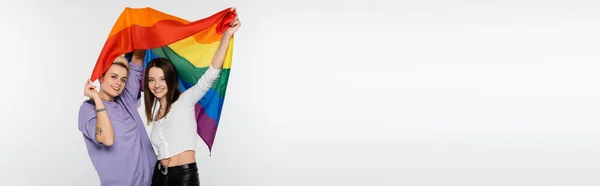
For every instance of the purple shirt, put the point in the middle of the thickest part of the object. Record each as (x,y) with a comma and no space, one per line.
(131,158)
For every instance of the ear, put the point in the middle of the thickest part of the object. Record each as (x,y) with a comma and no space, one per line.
(101,78)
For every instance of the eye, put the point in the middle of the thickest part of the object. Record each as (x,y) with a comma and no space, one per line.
(152,80)
(114,77)
(123,80)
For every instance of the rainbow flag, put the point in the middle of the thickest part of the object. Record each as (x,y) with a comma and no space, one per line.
(189,45)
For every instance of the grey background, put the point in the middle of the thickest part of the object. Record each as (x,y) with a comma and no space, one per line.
(423,93)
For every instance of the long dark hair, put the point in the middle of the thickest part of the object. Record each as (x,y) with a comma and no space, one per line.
(172,87)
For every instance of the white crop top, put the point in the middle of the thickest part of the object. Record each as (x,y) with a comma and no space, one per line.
(176,132)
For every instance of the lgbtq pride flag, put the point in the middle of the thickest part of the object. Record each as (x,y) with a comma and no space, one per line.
(190,46)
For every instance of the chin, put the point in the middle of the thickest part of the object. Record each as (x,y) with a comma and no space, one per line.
(114,93)
(160,96)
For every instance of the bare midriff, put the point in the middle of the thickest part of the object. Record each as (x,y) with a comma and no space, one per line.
(186,157)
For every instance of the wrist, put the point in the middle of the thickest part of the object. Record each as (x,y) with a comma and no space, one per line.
(97,99)
(100,110)
(137,61)
(226,37)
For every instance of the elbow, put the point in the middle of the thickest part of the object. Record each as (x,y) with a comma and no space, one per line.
(107,141)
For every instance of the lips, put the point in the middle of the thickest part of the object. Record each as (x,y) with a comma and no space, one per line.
(158,91)
(116,88)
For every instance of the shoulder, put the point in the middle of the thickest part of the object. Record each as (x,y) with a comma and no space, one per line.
(88,103)
(88,107)
(176,104)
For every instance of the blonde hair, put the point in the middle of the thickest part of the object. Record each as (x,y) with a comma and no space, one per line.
(121,61)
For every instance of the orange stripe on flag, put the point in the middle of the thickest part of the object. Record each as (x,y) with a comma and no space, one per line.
(145,17)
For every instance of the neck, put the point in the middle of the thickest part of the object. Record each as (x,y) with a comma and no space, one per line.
(163,106)
(106,97)
(163,102)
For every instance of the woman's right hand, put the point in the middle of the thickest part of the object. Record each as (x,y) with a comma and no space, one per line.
(90,91)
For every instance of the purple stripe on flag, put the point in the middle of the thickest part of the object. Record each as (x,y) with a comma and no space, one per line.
(207,126)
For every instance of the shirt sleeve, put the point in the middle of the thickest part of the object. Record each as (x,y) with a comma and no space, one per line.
(192,95)
(87,122)
(133,86)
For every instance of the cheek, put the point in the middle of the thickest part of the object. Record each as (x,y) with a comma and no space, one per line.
(164,84)
(151,84)
(108,81)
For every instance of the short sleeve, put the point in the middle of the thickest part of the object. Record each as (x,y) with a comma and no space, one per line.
(87,121)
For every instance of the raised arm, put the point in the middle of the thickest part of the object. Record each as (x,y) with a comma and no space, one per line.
(219,57)
(196,92)
(134,78)
(93,121)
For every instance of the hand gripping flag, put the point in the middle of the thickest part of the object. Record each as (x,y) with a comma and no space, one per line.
(190,46)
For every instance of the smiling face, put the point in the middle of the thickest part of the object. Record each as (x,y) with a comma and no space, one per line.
(157,82)
(113,81)
(160,83)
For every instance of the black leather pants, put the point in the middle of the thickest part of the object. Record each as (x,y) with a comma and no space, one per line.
(182,175)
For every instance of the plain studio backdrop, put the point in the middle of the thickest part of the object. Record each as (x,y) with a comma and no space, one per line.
(419,93)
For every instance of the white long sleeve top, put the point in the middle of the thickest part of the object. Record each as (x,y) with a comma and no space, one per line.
(176,132)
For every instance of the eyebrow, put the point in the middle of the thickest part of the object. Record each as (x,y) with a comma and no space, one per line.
(117,74)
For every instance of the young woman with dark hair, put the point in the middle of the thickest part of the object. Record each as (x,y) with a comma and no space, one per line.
(174,133)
